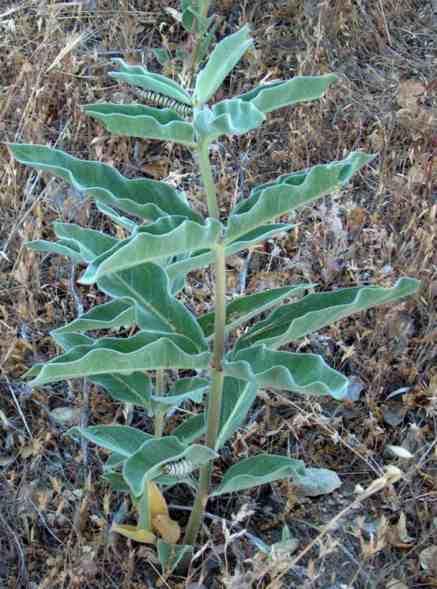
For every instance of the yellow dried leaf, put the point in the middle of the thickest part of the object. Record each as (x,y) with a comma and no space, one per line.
(167,528)
(134,533)
(157,502)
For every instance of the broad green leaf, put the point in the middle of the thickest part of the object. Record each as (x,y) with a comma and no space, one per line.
(62,248)
(205,258)
(191,429)
(229,117)
(307,374)
(157,308)
(168,236)
(72,340)
(117,482)
(119,356)
(148,462)
(136,75)
(258,470)
(89,242)
(171,556)
(122,439)
(148,199)
(112,315)
(242,309)
(238,398)
(269,201)
(115,120)
(316,481)
(192,389)
(119,220)
(222,60)
(296,320)
(270,97)
(135,388)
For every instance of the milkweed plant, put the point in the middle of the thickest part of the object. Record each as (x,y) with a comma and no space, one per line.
(175,356)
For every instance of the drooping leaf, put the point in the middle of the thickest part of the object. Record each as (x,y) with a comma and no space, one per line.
(307,374)
(269,201)
(119,356)
(238,398)
(56,247)
(242,309)
(269,97)
(89,242)
(192,389)
(191,429)
(137,75)
(119,220)
(205,258)
(157,309)
(135,388)
(134,533)
(122,439)
(168,236)
(258,470)
(125,120)
(229,117)
(222,60)
(148,462)
(296,320)
(145,198)
(112,315)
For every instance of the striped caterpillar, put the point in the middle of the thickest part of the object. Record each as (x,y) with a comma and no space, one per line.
(156,99)
(179,469)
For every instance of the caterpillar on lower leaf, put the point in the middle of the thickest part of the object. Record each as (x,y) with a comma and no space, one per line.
(179,469)
(156,99)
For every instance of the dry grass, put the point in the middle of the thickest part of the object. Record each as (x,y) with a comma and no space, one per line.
(54,512)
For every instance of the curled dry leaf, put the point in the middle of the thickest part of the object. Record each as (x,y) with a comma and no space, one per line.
(168,529)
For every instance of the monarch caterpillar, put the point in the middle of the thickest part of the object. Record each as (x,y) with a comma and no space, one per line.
(156,99)
(179,469)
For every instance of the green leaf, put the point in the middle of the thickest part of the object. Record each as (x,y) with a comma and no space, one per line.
(192,389)
(157,309)
(202,259)
(147,463)
(171,556)
(136,75)
(191,429)
(71,340)
(168,236)
(89,242)
(269,201)
(258,470)
(116,481)
(120,356)
(122,439)
(112,315)
(222,60)
(270,97)
(62,248)
(119,220)
(296,320)
(124,120)
(135,388)
(307,374)
(242,309)
(148,199)
(229,117)
(238,398)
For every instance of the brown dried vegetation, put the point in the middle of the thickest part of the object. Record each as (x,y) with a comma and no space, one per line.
(54,512)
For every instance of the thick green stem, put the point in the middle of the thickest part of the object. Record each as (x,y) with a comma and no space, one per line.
(143,506)
(216,371)
(160,412)
(208,180)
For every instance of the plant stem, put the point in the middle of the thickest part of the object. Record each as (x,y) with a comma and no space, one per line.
(160,413)
(144,522)
(216,370)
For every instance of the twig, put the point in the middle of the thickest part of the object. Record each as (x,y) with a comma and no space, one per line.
(18,406)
